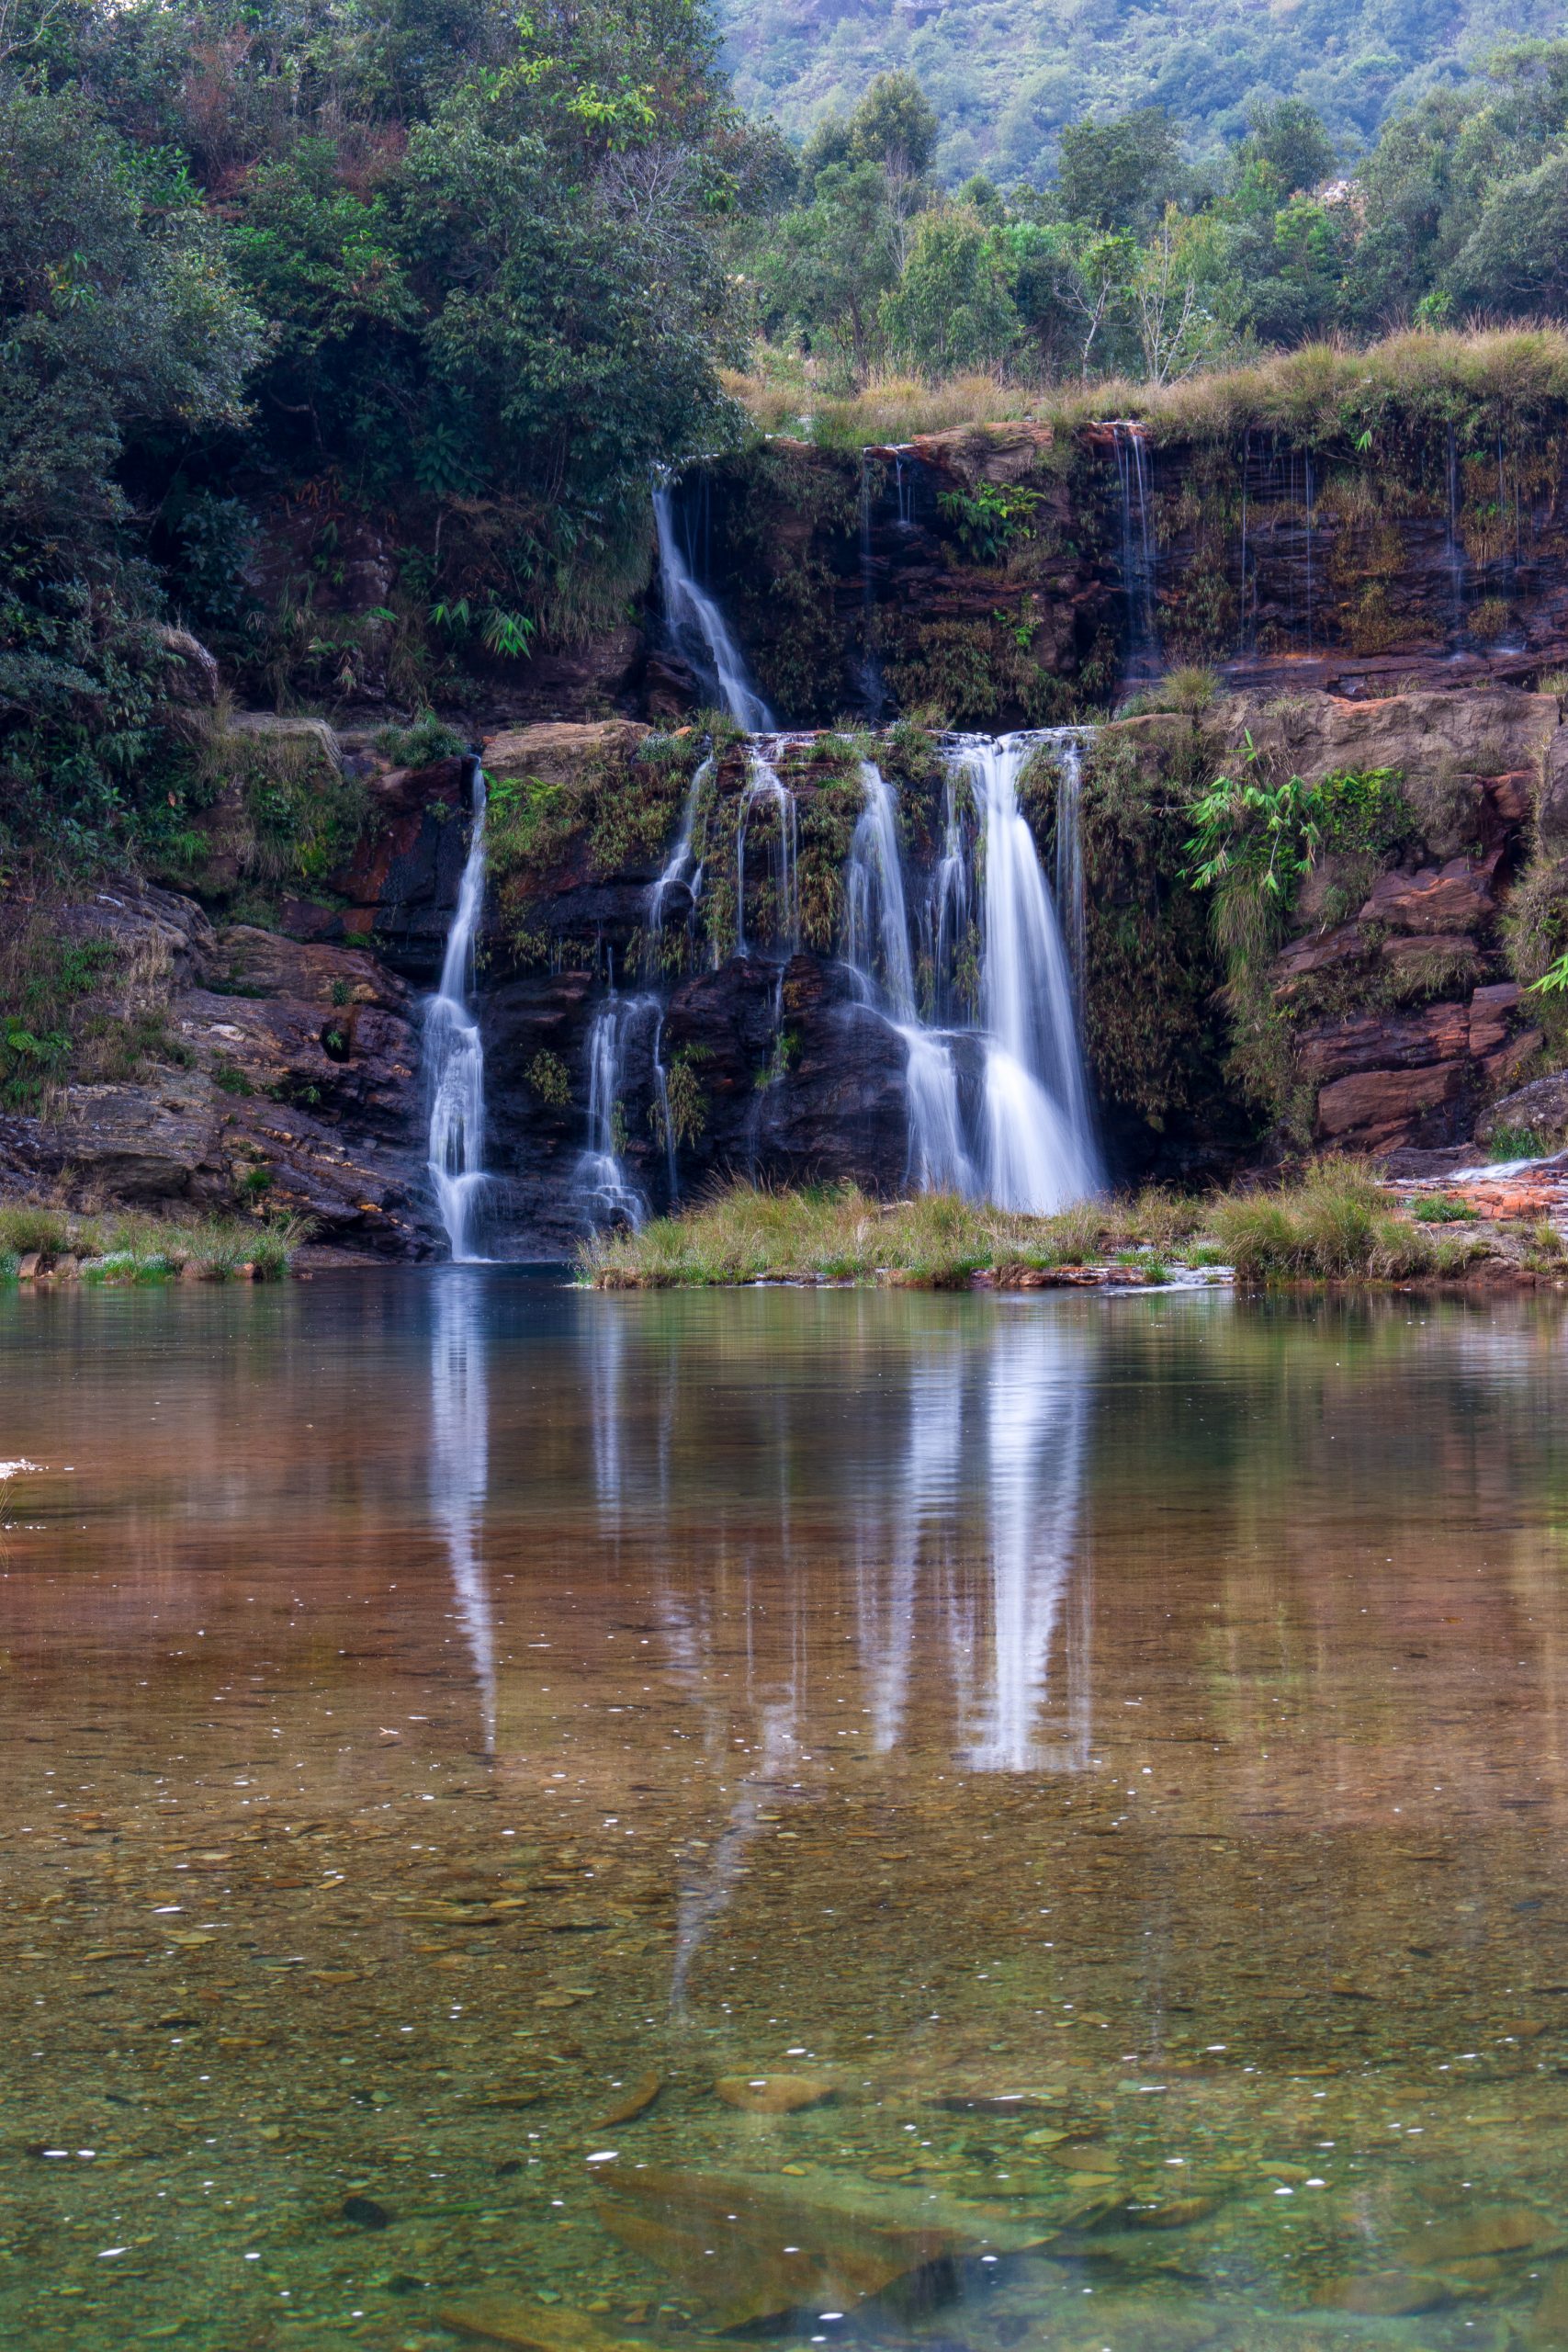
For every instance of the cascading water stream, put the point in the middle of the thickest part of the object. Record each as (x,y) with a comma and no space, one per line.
(454,1053)
(879,951)
(1137,546)
(699,630)
(1040,1151)
(609,1194)
(765,785)
(680,858)
(1071,912)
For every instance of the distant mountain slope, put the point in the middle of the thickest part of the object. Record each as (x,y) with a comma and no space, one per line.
(1006,74)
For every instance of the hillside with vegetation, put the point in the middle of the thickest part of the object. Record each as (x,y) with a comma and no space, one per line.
(1010,76)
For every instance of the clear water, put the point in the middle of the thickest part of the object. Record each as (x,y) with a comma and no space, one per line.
(1115,1745)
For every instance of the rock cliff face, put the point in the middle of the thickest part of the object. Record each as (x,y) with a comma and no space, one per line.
(286,1071)
(265,997)
(1010,575)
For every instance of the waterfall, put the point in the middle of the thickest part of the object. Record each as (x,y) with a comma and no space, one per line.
(680,856)
(699,630)
(1137,544)
(1035,1148)
(764,783)
(879,951)
(872,686)
(609,1195)
(1040,1148)
(1455,547)
(454,1055)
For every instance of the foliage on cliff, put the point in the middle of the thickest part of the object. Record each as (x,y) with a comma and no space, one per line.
(347,339)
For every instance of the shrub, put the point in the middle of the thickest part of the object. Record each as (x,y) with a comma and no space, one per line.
(1517,1142)
(424,740)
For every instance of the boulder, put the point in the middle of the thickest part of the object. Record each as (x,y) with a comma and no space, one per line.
(1491,731)
(1542,1104)
(192,675)
(1378,1107)
(555,751)
(1451,897)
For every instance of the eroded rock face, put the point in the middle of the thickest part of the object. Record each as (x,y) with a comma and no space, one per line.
(295,1086)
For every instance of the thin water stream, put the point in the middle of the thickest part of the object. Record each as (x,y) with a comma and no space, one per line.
(1087,1776)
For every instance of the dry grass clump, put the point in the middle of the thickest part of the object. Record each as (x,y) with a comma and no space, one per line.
(136,1247)
(1335,1223)
(889,408)
(1320,392)
(746,1233)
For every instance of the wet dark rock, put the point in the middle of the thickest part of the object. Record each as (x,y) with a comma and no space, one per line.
(298,1065)
(366,2213)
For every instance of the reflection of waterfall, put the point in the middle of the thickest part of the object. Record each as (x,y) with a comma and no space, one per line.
(608,1191)
(703,1901)
(1035,1414)
(460,1452)
(977,1538)
(700,633)
(454,1055)
(914,1542)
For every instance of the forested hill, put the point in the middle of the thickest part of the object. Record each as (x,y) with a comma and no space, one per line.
(1004,76)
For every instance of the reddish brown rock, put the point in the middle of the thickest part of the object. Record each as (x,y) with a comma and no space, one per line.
(1384,1041)
(1320,952)
(1379,1107)
(1490,1021)
(1438,899)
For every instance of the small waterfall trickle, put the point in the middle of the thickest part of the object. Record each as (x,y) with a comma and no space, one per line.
(1040,1147)
(454,1053)
(765,785)
(699,630)
(1137,546)
(872,692)
(609,1195)
(680,857)
(1071,909)
(1455,549)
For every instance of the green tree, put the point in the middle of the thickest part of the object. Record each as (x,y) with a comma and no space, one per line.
(1120,173)
(827,265)
(952,308)
(117,318)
